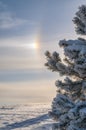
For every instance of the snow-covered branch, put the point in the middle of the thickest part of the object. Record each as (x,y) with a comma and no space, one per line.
(80,20)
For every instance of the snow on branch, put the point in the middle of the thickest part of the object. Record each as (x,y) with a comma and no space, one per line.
(80,20)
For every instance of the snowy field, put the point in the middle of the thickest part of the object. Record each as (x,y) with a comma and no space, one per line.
(25,117)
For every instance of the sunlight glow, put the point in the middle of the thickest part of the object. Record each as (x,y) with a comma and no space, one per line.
(32,46)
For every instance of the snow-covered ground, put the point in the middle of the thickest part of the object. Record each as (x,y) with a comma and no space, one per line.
(25,117)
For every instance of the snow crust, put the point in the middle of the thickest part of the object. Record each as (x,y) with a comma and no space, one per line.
(25,117)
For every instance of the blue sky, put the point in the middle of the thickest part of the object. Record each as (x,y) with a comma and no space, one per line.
(27,29)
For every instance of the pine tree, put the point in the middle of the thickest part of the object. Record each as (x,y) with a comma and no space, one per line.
(69,105)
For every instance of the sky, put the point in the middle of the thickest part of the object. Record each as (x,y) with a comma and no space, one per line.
(27,29)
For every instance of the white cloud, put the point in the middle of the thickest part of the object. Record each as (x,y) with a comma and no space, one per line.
(7,21)
(10,20)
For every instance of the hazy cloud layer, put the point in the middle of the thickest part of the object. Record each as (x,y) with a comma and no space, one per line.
(7,21)
(26,75)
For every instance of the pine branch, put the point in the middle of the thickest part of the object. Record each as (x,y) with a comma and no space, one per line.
(80,20)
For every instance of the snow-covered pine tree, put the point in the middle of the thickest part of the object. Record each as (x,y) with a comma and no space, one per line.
(69,105)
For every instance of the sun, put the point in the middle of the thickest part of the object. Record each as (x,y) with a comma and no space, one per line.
(32,46)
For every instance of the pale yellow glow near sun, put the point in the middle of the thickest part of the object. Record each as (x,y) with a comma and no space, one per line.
(32,46)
